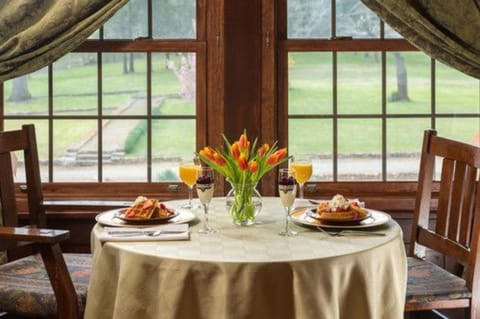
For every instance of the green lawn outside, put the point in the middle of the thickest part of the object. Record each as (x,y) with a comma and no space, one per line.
(310,92)
(359,92)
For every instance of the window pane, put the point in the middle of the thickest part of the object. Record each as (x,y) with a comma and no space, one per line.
(124,83)
(354,19)
(310,83)
(41,132)
(171,144)
(404,145)
(27,95)
(174,19)
(75,150)
(456,92)
(391,33)
(173,83)
(359,83)
(408,83)
(129,22)
(75,85)
(462,129)
(309,18)
(313,138)
(359,149)
(95,35)
(124,150)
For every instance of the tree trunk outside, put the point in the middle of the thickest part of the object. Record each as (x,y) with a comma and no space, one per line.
(20,90)
(132,63)
(402,86)
(125,63)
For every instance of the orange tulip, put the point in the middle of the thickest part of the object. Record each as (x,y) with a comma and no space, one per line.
(235,150)
(243,142)
(281,153)
(252,166)
(272,159)
(219,159)
(208,152)
(263,149)
(242,162)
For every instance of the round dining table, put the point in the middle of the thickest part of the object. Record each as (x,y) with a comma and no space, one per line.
(250,272)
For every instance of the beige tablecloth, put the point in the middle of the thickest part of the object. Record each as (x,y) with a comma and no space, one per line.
(250,272)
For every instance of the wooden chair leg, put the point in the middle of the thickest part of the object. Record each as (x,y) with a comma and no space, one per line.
(67,303)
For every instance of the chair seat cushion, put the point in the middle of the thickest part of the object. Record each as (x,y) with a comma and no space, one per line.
(26,289)
(428,282)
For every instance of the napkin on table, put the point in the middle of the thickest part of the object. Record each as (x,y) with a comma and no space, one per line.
(172,232)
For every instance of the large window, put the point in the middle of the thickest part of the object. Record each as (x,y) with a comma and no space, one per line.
(130,103)
(359,97)
(124,106)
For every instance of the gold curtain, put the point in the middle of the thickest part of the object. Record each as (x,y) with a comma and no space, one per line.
(449,31)
(34,33)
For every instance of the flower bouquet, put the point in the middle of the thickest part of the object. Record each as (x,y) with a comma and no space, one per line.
(243,164)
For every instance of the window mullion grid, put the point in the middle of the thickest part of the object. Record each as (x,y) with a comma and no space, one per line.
(100,116)
(150,19)
(335,115)
(334,93)
(2,107)
(384,112)
(433,122)
(149,116)
(149,91)
(50,123)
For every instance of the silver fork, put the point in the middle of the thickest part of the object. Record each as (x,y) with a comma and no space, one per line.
(343,232)
(152,233)
(326,232)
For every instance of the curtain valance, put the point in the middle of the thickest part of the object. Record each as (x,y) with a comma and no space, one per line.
(34,33)
(449,31)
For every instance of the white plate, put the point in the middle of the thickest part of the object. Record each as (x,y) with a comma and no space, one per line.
(376,218)
(109,218)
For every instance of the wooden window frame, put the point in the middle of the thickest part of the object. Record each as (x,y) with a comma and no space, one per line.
(149,46)
(335,45)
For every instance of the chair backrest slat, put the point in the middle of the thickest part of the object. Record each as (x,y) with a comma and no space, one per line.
(447,148)
(466,215)
(444,197)
(20,140)
(440,243)
(458,191)
(457,231)
(7,193)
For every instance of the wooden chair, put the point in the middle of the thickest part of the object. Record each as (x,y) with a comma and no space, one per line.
(456,233)
(49,283)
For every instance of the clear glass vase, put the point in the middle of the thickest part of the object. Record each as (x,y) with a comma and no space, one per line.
(244,202)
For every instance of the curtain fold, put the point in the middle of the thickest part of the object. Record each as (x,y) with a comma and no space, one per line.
(448,31)
(34,33)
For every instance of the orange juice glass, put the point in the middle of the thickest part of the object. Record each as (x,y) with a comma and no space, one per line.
(303,170)
(188,174)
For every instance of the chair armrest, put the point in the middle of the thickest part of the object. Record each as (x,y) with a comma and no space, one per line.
(36,235)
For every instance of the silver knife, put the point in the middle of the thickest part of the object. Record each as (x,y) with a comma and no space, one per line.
(142,232)
(360,232)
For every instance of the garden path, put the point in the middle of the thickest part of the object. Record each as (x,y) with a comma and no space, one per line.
(114,134)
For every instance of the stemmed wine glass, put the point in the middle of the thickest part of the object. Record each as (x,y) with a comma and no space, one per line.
(205,187)
(303,168)
(287,188)
(188,174)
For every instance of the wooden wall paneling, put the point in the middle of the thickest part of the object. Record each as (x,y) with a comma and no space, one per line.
(282,73)
(268,109)
(215,36)
(243,47)
(201,88)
